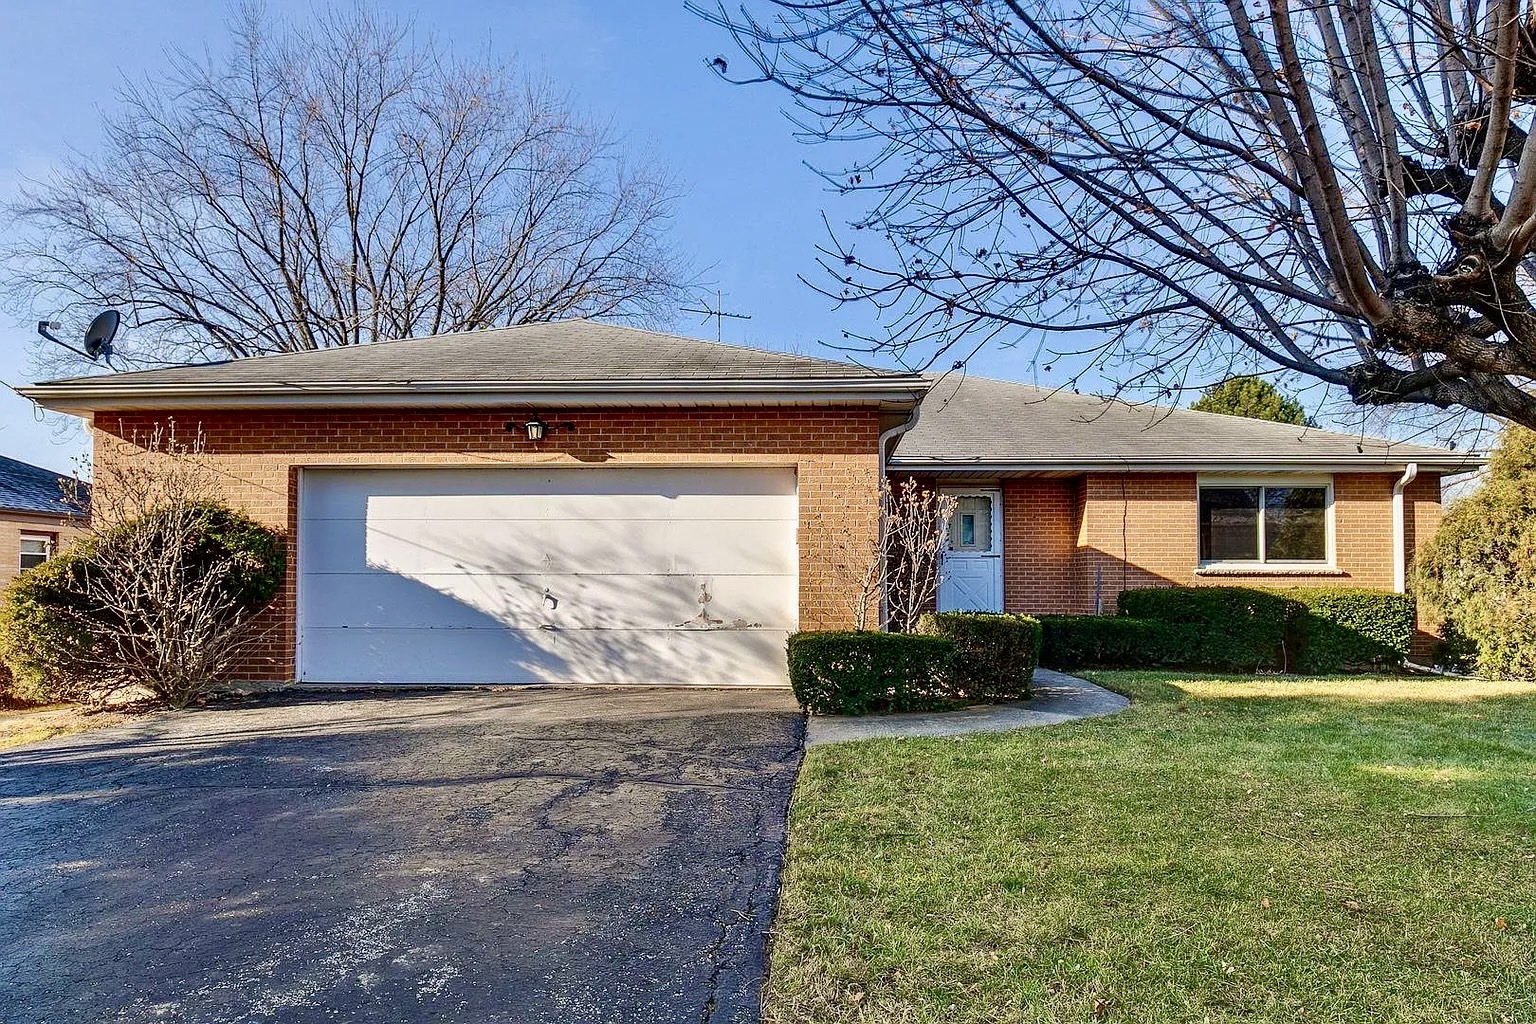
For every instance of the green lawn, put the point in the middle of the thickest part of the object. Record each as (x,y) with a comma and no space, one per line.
(1229,849)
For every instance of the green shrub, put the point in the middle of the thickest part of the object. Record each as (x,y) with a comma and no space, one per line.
(44,635)
(854,673)
(1237,628)
(995,655)
(1344,628)
(162,601)
(1116,641)
(1479,569)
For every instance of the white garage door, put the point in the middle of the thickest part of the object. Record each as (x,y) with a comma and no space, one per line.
(675,576)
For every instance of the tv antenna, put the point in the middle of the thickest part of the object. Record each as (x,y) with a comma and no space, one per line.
(718,313)
(97,343)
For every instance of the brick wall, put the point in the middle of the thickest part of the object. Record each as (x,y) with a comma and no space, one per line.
(14,524)
(258,455)
(1068,541)
(1040,527)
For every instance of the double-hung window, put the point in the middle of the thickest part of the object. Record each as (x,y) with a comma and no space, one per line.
(1279,523)
(36,548)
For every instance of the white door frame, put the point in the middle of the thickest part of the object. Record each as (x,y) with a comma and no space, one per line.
(993,556)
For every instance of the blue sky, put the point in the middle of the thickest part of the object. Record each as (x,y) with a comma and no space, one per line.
(751,211)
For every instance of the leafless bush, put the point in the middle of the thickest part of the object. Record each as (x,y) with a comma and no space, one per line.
(895,573)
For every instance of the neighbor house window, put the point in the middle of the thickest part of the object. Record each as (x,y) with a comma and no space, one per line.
(1282,523)
(36,548)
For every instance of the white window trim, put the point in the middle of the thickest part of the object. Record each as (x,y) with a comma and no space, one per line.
(1262,564)
(50,547)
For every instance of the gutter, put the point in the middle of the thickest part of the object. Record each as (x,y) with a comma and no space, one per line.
(1458,463)
(1400,528)
(80,398)
(887,436)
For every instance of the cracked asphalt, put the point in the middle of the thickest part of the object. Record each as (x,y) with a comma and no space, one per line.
(541,855)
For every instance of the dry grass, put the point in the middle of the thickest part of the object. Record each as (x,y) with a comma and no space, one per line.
(18,728)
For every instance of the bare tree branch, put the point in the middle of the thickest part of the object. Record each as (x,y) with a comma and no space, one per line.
(338,184)
(1346,190)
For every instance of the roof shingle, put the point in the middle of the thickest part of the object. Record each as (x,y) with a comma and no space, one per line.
(28,488)
(977,421)
(562,351)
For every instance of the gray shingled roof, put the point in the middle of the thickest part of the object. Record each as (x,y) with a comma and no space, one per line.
(976,421)
(28,488)
(563,351)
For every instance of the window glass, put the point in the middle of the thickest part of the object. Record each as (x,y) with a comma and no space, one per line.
(1229,524)
(1295,524)
(970,527)
(35,549)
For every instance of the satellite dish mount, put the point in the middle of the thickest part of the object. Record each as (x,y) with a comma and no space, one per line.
(97,343)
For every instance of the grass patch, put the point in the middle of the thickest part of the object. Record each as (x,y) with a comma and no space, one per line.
(1229,849)
(19,728)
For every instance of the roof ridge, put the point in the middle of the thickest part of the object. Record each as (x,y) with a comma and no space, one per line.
(794,358)
(41,469)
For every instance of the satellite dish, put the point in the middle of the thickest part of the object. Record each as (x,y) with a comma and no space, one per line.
(98,336)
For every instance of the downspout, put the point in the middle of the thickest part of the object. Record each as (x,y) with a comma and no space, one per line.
(886,437)
(1400,528)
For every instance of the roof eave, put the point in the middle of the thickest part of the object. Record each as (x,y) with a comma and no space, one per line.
(896,391)
(1454,462)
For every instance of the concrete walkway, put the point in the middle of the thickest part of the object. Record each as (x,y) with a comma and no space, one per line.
(1057,698)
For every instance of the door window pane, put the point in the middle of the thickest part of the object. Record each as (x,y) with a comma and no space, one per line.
(1295,524)
(970,527)
(1229,524)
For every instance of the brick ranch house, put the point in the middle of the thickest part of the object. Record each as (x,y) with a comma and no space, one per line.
(36,517)
(580,502)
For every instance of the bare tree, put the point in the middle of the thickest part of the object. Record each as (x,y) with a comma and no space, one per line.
(1346,189)
(895,572)
(340,183)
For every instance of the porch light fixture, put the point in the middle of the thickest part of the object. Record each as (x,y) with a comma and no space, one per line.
(536,428)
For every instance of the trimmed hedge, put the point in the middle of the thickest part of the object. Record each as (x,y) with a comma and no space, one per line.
(1341,628)
(1115,641)
(1311,630)
(1240,628)
(995,655)
(854,673)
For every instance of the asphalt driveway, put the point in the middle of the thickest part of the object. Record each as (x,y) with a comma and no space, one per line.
(553,855)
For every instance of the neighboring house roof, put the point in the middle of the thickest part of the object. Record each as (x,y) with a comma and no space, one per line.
(973,423)
(567,356)
(28,488)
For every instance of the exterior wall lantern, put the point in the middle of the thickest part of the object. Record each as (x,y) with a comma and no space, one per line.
(536,429)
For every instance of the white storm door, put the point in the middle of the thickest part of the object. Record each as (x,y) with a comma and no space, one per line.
(972,572)
(668,576)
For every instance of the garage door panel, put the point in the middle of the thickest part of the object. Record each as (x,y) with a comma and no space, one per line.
(518,602)
(393,562)
(418,546)
(495,494)
(437,655)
